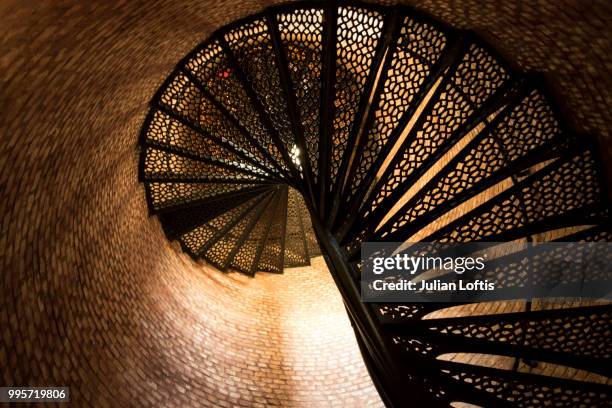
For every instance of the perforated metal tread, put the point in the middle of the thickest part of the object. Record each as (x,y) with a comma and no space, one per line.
(382,124)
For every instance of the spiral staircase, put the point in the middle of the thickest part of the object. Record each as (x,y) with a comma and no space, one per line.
(313,127)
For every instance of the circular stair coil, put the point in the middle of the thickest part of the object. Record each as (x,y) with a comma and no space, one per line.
(383,124)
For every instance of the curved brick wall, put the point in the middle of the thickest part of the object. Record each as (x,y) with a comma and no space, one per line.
(91,293)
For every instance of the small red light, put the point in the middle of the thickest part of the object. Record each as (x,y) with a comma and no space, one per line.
(225,74)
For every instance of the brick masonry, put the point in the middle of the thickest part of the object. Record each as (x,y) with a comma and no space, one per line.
(91,293)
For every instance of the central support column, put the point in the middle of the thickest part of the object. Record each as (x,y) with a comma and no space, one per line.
(391,383)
